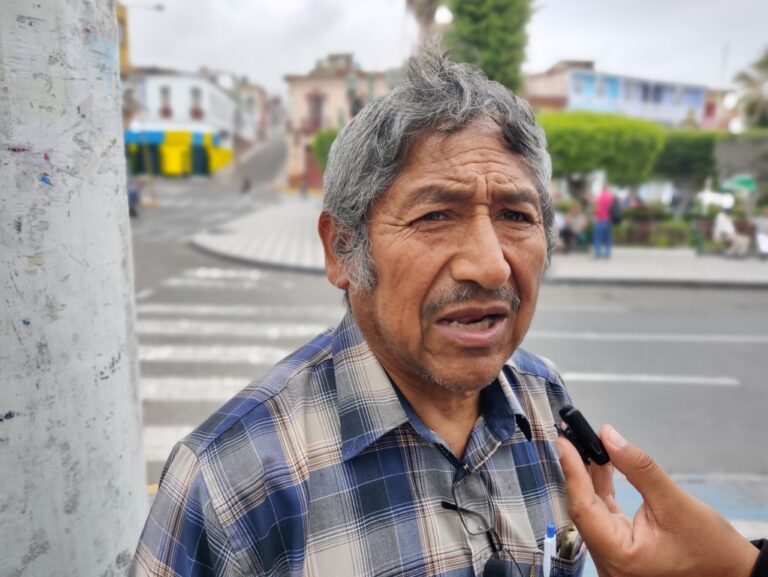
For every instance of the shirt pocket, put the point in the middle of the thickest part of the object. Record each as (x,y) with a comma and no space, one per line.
(569,567)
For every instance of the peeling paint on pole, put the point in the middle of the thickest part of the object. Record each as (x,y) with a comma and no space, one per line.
(72,492)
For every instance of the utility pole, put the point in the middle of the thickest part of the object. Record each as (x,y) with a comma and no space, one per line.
(72,485)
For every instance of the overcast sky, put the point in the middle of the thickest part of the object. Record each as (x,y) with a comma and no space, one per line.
(696,41)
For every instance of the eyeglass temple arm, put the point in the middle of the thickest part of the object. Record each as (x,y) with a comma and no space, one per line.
(493,537)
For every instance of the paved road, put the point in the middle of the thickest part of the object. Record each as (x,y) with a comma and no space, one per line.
(679,371)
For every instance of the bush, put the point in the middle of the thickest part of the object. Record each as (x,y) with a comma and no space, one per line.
(321,145)
(671,233)
(662,234)
(652,211)
(688,156)
(580,142)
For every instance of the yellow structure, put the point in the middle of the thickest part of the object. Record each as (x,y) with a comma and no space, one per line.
(122,28)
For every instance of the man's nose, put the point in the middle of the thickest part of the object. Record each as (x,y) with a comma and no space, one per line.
(480,257)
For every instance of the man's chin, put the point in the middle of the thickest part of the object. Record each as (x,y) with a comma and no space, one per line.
(464,382)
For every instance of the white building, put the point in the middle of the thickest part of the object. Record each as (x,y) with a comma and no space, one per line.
(177,112)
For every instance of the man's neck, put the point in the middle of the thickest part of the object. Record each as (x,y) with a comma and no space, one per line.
(450,415)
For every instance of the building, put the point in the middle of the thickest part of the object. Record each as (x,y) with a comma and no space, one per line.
(328,97)
(577,85)
(181,123)
(720,110)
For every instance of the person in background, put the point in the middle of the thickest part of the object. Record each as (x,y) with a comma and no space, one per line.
(560,228)
(672,535)
(245,185)
(724,230)
(761,234)
(602,235)
(574,226)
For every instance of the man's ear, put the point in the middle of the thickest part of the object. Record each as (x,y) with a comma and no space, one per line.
(334,270)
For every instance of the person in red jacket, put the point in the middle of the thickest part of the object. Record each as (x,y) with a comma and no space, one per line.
(601,230)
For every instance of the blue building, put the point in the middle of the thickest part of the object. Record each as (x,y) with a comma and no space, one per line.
(576,85)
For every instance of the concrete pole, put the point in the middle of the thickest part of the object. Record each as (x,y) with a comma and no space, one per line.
(72,485)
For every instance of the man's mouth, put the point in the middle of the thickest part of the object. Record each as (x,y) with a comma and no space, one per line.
(473,324)
(475,327)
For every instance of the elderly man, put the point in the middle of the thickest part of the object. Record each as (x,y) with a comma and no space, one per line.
(415,438)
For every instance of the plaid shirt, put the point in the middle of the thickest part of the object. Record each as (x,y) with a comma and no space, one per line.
(323,469)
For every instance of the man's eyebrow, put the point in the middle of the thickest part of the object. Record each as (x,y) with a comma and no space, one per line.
(438,194)
(528,195)
(431,194)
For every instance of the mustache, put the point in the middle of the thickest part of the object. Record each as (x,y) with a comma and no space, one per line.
(471,292)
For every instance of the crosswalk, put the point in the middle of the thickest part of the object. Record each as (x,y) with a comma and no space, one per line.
(174,219)
(204,334)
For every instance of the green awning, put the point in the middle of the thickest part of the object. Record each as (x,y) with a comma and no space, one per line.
(740,182)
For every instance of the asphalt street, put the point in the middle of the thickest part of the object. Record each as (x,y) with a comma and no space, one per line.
(680,372)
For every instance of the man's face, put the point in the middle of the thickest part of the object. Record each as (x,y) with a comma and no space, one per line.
(459,249)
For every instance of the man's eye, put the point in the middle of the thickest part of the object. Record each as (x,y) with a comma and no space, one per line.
(432,216)
(517,216)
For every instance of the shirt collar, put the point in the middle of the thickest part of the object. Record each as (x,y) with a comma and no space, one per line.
(369,405)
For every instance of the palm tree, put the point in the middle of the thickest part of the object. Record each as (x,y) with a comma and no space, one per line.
(424,11)
(754,101)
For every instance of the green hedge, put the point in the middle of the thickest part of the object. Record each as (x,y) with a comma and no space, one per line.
(321,145)
(580,142)
(661,234)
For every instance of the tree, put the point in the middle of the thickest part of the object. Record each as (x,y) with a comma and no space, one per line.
(581,142)
(321,145)
(754,100)
(491,34)
(687,159)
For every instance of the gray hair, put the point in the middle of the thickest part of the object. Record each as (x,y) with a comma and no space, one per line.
(437,95)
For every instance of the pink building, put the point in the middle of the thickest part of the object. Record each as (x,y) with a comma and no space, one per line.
(329,96)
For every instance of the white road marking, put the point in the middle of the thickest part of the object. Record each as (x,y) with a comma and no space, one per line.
(241,311)
(204,329)
(217,389)
(650,337)
(627,379)
(214,354)
(229,273)
(226,284)
(581,308)
(146,293)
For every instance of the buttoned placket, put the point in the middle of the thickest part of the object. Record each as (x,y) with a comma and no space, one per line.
(479,545)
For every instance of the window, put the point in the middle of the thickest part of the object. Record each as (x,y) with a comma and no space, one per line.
(315,103)
(645,92)
(578,85)
(600,88)
(316,108)
(165,102)
(196,109)
(629,90)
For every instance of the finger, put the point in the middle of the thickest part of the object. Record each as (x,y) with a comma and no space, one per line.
(602,480)
(656,487)
(584,506)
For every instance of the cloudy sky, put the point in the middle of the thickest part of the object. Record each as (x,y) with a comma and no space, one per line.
(697,41)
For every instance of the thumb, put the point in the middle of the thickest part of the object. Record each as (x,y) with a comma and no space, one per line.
(654,484)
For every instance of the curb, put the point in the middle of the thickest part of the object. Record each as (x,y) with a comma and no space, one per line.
(560,280)
(255,262)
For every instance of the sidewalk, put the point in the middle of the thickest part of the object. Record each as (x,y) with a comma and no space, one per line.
(284,235)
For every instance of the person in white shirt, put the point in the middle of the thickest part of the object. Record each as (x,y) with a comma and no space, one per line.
(725,231)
